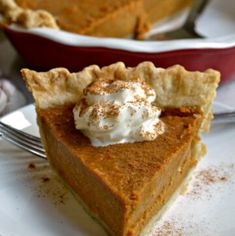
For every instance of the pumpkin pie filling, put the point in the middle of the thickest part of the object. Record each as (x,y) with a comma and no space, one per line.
(120,183)
(124,185)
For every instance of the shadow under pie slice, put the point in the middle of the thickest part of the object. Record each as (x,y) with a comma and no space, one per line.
(124,185)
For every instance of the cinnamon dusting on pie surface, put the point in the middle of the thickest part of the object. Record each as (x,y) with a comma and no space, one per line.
(207,178)
(202,187)
(106,110)
(175,227)
(31,166)
(51,190)
(169,227)
(110,86)
(116,111)
(46,185)
(45,179)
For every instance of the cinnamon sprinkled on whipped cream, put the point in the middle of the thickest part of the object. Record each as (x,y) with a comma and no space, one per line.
(117,111)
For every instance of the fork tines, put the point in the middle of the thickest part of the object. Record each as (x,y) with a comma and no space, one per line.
(22,139)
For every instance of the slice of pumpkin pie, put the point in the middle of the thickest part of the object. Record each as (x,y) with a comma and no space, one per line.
(123,138)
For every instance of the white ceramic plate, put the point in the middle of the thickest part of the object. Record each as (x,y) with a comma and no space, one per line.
(34,202)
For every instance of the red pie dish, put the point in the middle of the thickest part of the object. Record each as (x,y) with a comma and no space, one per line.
(44,48)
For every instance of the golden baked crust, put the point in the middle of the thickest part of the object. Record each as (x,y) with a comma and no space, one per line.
(26,17)
(175,87)
(58,86)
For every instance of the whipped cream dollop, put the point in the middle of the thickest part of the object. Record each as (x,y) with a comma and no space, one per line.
(117,111)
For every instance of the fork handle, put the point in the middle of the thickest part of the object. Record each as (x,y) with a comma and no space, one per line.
(223,118)
(197,8)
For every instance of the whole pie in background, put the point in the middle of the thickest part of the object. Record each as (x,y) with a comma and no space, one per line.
(108,18)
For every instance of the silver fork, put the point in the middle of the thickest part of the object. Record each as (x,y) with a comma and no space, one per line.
(32,144)
(23,140)
(224,118)
(188,29)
